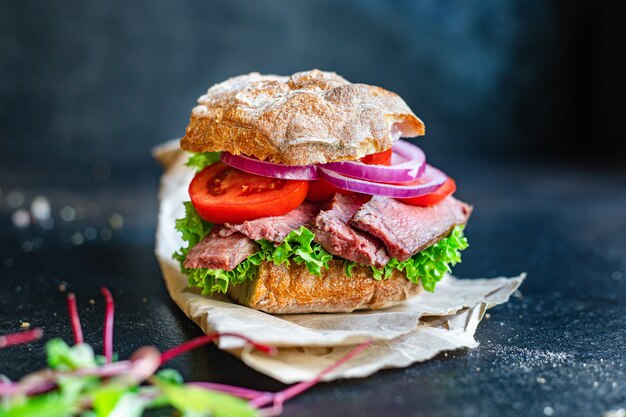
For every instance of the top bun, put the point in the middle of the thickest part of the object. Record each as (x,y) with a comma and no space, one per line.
(311,117)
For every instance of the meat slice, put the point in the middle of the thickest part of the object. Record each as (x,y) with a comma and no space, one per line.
(407,229)
(333,232)
(275,228)
(219,252)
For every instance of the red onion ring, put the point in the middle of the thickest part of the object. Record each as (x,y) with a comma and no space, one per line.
(409,170)
(268,169)
(433,179)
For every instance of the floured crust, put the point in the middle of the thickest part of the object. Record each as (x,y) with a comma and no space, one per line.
(281,289)
(310,117)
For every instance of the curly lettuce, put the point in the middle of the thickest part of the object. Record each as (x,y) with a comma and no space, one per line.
(193,229)
(297,247)
(200,160)
(431,264)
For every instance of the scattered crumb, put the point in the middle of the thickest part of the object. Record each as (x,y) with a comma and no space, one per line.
(62,287)
(616,413)
(541,380)
(144,300)
(25,325)
(487,316)
(92,301)
(531,358)
(548,411)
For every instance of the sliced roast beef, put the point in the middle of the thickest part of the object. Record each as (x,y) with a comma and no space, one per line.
(407,229)
(333,232)
(275,228)
(220,252)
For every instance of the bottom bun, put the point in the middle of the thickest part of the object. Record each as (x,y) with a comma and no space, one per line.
(282,289)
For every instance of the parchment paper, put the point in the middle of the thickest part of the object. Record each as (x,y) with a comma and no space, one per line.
(415,331)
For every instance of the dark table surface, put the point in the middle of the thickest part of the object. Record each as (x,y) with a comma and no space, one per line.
(557,348)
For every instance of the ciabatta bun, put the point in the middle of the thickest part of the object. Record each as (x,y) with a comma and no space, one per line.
(307,118)
(282,289)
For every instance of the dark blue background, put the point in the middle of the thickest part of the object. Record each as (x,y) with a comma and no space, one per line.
(82,81)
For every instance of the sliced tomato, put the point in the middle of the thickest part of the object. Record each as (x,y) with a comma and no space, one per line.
(322,190)
(223,194)
(447,189)
(380,158)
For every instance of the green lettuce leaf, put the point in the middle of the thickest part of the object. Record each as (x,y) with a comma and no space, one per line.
(217,280)
(193,229)
(297,247)
(431,264)
(201,160)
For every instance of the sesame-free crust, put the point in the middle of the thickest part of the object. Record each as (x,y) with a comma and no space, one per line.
(288,289)
(307,118)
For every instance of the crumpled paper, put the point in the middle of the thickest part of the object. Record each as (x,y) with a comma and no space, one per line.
(413,332)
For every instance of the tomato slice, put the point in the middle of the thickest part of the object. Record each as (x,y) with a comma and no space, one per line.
(223,194)
(447,189)
(322,190)
(380,158)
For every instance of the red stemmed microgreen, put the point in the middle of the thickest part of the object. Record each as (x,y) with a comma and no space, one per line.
(275,400)
(19,338)
(203,340)
(108,324)
(74,318)
(290,392)
(299,388)
(132,375)
(245,393)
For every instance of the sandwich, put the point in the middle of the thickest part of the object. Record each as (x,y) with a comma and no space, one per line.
(306,199)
